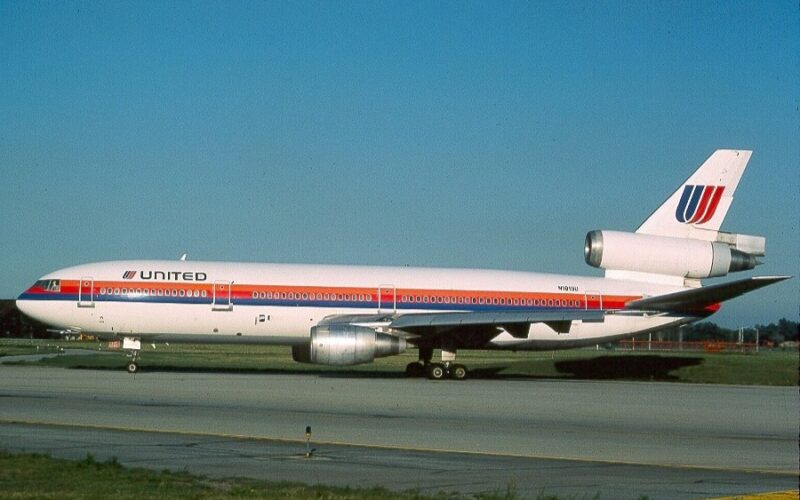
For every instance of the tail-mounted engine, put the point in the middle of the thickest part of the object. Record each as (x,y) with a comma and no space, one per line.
(684,257)
(346,345)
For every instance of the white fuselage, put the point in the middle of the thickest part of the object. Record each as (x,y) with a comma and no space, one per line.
(280,303)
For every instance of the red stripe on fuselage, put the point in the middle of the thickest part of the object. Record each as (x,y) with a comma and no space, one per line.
(419,298)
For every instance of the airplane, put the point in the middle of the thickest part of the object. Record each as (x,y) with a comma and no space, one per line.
(347,315)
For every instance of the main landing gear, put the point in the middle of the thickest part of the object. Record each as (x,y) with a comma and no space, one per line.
(437,371)
(134,346)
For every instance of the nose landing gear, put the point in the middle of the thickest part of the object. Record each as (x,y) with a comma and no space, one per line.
(134,346)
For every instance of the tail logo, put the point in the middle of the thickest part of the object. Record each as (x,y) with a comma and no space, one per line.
(698,203)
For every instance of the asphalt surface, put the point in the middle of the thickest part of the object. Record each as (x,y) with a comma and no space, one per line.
(622,440)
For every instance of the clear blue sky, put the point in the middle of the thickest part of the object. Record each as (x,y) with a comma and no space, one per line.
(463,134)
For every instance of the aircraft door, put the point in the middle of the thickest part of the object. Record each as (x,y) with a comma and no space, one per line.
(593,300)
(221,299)
(86,292)
(387,299)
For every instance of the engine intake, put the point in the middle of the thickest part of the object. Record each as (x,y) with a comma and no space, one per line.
(689,258)
(344,345)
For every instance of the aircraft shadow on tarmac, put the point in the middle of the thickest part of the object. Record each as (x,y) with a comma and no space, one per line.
(633,367)
(636,367)
(647,367)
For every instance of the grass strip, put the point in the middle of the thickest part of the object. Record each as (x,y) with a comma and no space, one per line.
(24,476)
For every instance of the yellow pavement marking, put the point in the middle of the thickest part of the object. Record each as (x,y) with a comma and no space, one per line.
(774,495)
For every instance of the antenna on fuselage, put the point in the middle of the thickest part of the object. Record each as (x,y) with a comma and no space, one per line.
(183,257)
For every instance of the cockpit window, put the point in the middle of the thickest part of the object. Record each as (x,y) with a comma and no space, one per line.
(49,285)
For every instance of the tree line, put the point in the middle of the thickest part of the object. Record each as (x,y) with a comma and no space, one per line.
(773,333)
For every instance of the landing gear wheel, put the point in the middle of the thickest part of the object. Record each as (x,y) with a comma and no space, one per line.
(436,371)
(415,370)
(458,372)
(133,367)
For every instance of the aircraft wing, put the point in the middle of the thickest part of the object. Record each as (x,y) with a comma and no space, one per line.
(697,299)
(470,328)
(486,324)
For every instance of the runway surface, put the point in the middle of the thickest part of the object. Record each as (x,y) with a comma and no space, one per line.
(622,440)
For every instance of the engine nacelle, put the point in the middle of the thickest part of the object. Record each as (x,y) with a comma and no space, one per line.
(689,258)
(344,345)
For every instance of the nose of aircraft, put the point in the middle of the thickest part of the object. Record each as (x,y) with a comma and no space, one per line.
(29,307)
(24,305)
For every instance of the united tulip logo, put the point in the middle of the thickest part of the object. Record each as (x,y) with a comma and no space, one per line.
(698,204)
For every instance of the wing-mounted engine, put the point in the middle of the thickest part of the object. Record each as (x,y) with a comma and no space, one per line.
(343,345)
(669,256)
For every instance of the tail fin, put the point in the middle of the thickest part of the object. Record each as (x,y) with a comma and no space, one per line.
(698,207)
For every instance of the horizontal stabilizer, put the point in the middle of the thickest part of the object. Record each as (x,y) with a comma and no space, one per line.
(699,298)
